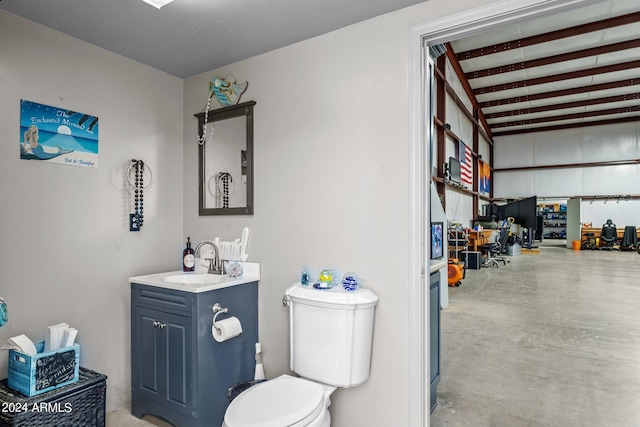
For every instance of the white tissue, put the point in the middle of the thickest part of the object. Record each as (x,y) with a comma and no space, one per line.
(225,329)
(69,337)
(22,343)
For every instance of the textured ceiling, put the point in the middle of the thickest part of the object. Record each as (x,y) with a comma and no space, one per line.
(189,37)
(572,69)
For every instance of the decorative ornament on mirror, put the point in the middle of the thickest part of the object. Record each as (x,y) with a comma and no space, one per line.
(227,92)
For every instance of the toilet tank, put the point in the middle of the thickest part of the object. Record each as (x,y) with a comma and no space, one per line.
(331,333)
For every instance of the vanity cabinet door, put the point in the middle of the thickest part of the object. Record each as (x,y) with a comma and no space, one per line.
(147,353)
(177,349)
(162,367)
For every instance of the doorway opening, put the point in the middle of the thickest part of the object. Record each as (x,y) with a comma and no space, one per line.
(422,36)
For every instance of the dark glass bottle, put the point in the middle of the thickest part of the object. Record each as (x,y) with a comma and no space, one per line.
(188,257)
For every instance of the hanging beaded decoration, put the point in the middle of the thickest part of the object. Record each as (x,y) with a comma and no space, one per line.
(202,139)
(139,197)
(226,187)
(224,180)
(136,219)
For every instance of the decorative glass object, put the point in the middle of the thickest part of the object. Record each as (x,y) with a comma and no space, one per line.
(325,280)
(350,281)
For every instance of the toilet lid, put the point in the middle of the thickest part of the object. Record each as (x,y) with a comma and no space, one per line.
(282,402)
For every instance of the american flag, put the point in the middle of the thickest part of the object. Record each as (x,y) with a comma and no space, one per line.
(466,170)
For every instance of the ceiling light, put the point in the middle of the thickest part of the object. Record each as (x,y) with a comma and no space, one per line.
(157,3)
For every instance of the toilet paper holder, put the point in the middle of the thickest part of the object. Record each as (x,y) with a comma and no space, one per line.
(217,309)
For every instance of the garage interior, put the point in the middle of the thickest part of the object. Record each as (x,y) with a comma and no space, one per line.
(550,107)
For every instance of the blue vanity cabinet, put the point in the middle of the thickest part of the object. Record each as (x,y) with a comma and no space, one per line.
(179,372)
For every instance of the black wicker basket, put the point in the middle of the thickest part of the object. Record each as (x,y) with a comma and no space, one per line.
(79,404)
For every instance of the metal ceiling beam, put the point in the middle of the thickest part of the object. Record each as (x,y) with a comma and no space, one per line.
(558,93)
(569,126)
(564,105)
(554,59)
(554,104)
(557,77)
(550,36)
(571,165)
(607,112)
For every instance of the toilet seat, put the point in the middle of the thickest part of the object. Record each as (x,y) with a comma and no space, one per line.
(285,401)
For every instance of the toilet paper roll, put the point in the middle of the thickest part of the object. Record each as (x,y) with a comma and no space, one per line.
(225,329)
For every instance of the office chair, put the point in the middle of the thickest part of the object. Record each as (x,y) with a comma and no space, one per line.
(494,249)
(608,236)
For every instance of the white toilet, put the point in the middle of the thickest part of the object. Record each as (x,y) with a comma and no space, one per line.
(331,332)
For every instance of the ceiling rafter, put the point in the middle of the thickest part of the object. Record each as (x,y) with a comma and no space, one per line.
(617,121)
(612,68)
(583,75)
(595,113)
(555,59)
(551,36)
(564,105)
(559,93)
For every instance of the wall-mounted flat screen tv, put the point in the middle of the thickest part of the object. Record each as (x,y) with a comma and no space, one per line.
(437,240)
(454,170)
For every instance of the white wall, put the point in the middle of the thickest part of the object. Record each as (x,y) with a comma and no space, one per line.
(332,186)
(459,207)
(574,146)
(66,250)
(569,146)
(621,212)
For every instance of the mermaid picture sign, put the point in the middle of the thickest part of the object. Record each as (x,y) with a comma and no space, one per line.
(57,135)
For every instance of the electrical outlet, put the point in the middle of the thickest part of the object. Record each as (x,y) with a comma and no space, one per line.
(133,223)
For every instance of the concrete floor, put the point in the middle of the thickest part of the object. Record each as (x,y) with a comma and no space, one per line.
(548,340)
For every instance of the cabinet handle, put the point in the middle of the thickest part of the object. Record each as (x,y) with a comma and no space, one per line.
(157,324)
(160,325)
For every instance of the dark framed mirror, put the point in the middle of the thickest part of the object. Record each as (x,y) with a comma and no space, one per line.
(225,160)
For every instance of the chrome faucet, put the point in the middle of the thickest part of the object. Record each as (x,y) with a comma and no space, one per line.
(215,265)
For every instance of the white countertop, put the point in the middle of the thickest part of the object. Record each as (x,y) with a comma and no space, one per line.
(206,282)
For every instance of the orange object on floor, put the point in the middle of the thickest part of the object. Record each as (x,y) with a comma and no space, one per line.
(455,272)
(575,244)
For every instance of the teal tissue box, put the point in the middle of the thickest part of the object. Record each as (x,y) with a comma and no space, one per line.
(32,375)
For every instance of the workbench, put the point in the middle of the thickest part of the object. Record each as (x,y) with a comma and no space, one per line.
(479,238)
(596,232)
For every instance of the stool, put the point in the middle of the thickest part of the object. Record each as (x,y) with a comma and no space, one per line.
(81,403)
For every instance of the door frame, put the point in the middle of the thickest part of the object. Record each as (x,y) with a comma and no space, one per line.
(440,30)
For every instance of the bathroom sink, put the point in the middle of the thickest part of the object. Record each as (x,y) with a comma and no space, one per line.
(199,281)
(194,279)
